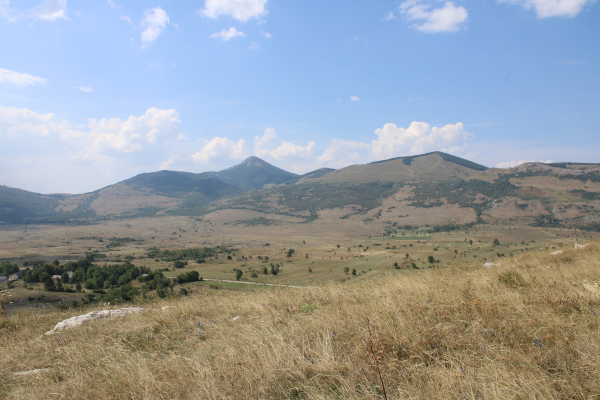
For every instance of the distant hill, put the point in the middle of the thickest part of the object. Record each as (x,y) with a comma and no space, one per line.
(178,184)
(436,166)
(435,189)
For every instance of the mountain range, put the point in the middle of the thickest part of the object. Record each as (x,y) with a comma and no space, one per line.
(429,189)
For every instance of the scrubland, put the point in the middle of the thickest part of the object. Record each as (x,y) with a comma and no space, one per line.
(528,328)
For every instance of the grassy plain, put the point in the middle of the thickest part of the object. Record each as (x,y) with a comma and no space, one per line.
(528,328)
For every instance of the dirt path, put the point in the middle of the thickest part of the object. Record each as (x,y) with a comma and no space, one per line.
(258,283)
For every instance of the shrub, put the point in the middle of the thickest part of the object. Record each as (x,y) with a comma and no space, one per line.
(512,278)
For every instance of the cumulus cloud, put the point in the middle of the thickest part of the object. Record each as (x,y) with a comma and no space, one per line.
(221,147)
(63,156)
(341,153)
(21,122)
(552,8)
(131,134)
(241,10)
(419,137)
(354,98)
(283,151)
(228,34)
(154,21)
(50,10)
(449,18)
(103,135)
(19,78)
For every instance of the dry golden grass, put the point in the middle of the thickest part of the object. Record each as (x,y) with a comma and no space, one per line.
(528,329)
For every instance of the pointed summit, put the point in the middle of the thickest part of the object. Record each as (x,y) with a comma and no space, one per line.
(253,161)
(254,173)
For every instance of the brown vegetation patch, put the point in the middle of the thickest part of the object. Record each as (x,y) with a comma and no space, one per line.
(124,199)
(531,192)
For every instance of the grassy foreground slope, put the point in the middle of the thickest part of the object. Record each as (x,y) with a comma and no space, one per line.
(528,328)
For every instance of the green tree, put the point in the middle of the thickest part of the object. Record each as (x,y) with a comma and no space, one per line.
(346,269)
(65,277)
(238,274)
(396,266)
(309,270)
(354,272)
(496,242)
(265,271)
(430,259)
(290,253)
(49,285)
(78,287)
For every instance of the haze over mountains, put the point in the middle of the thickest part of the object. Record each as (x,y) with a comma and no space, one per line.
(430,189)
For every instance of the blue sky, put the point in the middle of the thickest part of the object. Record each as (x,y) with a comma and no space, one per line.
(94,92)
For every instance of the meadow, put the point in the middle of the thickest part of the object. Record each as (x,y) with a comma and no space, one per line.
(356,325)
(528,328)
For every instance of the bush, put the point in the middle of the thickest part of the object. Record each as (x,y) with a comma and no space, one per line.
(512,278)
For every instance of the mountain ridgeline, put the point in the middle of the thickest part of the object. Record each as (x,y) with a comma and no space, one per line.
(429,189)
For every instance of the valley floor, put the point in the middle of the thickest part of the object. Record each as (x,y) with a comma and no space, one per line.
(529,328)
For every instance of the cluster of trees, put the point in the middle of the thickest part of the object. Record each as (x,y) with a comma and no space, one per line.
(89,276)
(199,254)
(7,269)
(275,269)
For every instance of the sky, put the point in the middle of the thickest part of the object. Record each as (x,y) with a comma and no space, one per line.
(93,92)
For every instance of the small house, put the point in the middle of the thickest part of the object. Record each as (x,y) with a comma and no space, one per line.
(15,277)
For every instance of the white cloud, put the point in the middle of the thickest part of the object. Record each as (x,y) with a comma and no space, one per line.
(20,122)
(132,134)
(228,34)
(283,151)
(112,4)
(341,153)
(6,12)
(43,152)
(168,163)
(155,21)
(268,35)
(241,10)
(552,8)
(221,147)
(449,18)
(104,135)
(254,46)
(419,138)
(19,78)
(85,89)
(354,98)
(50,10)
(126,19)
(389,16)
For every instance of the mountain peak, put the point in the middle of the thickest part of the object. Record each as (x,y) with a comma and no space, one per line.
(253,161)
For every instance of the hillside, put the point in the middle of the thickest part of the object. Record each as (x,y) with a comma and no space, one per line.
(519,330)
(430,189)
(437,166)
